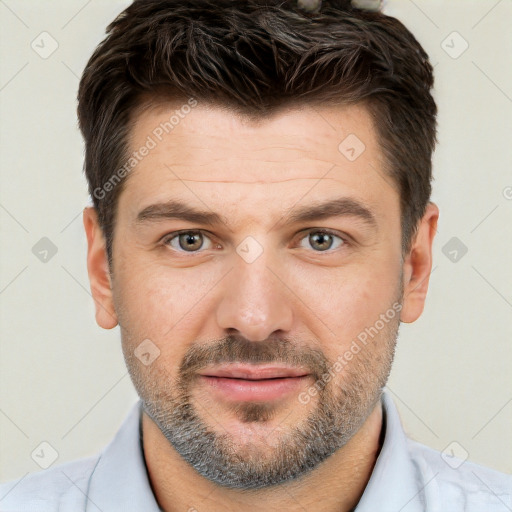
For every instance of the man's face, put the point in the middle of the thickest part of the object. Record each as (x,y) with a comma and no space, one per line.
(250,310)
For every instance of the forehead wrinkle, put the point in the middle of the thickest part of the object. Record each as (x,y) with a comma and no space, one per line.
(232,143)
(179,163)
(289,154)
(257,182)
(194,136)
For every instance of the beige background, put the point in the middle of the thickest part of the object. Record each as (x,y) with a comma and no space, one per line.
(63,379)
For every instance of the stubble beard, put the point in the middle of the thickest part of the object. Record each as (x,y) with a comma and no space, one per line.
(342,406)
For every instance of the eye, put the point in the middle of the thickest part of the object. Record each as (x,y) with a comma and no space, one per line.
(323,240)
(188,241)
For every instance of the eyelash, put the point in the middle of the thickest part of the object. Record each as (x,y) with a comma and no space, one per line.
(171,236)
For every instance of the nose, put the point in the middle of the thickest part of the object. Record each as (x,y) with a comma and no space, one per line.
(255,300)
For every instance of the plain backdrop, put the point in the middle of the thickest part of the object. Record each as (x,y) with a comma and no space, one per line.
(63,380)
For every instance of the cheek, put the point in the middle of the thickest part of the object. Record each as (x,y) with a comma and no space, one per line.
(160,303)
(344,301)
(151,309)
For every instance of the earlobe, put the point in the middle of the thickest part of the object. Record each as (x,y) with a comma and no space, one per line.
(418,266)
(97,268)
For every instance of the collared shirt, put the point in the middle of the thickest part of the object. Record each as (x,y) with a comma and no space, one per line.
(407,477)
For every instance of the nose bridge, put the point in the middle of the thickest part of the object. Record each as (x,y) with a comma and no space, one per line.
(255,301)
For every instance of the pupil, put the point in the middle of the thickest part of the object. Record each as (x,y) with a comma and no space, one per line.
(189,240)
(323,237)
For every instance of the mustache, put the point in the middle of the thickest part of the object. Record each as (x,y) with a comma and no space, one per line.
(237,349)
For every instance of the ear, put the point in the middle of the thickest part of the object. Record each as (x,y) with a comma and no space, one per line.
(97,267)
(418,266)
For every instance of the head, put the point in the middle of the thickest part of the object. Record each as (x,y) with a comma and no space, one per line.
(261,177)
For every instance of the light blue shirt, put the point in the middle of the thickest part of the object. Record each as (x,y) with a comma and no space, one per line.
(407,477)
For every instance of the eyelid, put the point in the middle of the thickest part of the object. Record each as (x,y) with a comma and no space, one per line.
(165,240)
(342,236)
(303,234)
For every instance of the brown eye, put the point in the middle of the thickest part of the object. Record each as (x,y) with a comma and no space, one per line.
(188,241)
(322,241)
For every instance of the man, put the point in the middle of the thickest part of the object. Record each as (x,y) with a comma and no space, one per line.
(262,223)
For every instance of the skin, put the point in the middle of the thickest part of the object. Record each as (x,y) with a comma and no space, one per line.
(253,174)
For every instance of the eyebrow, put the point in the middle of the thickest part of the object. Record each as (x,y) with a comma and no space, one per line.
(175,209)
(341,207)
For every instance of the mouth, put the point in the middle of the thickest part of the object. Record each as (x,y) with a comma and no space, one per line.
(242,382)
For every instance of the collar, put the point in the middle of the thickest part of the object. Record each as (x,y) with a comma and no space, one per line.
(120,480)
(394,482)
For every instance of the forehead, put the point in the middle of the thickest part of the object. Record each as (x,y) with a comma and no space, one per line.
(206,152)
(192,134)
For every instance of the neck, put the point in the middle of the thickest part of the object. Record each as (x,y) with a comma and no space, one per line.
(335,485)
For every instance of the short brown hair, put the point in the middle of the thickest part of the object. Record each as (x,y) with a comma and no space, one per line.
(257,56)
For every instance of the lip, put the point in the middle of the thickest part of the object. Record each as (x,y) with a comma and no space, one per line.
(254,372)
(246,383)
